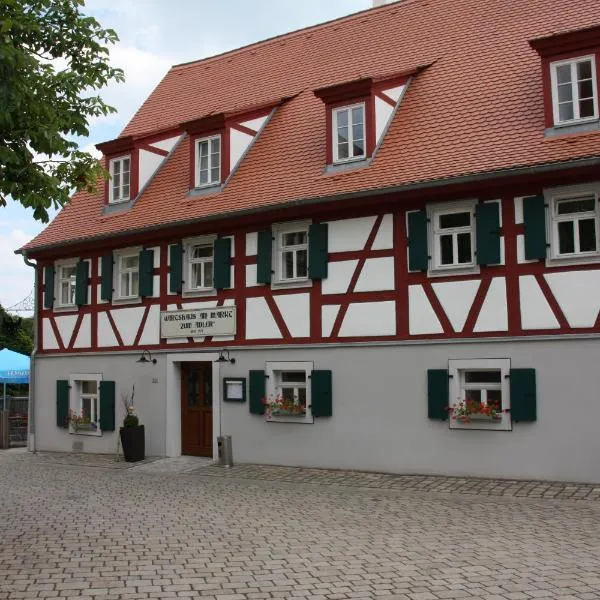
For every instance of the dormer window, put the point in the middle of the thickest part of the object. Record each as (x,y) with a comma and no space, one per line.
(208,161)
(120,184)
(349,133)
(574,90)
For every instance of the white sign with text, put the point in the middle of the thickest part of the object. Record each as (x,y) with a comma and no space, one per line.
(198,322)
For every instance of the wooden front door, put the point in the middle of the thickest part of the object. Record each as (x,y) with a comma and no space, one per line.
(196,409)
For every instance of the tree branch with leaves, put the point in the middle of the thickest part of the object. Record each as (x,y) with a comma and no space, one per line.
(53,60)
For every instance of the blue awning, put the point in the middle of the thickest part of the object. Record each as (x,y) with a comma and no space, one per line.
(14,367)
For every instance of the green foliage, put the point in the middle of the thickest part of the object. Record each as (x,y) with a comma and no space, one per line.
(131,421)
(52,59)
(16,333)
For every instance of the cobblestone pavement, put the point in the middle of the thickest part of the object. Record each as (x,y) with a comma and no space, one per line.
(77,527)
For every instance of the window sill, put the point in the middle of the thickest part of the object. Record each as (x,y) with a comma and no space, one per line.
(454,271)
(557,261)
(303,420)
(66,308)
(295,283)
(347,165)
(573,128)
(199,293)
(205,190)
(481,422)
(85,431)
(133,300)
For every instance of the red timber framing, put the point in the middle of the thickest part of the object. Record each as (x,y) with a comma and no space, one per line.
(375,208)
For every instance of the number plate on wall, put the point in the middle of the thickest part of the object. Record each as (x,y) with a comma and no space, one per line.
(198,322)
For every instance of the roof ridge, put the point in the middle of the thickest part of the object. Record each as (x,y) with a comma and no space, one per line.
(293,33)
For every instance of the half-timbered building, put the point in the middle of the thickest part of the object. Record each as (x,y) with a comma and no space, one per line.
(370,244)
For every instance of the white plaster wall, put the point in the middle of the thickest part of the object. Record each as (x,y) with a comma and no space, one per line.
(251,243)
(380,419)
(127,321)
(148,163)
(369,318)
(339,274)
(376,275)
(260,323)
(422,319)
(65,325)
(238,144)
(255,124)
(383,112)
(151,333)
(384,240)
(494,311)
(456,298)
(106,335)
(251,276)
(329,312)
(84,336)
(349,234)
(149,381)
(166,144)
(535,310)
(295,310)
(49,341)
(578,294)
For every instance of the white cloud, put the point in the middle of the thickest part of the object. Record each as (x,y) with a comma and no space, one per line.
(17,278)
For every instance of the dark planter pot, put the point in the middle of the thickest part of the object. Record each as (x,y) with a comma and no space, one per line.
(133,441)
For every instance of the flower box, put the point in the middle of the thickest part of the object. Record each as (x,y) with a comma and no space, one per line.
(479,417)
(282,412)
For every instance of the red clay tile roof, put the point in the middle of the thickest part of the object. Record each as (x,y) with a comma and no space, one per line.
(477,108)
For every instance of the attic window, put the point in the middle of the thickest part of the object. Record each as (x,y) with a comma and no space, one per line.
(208,161)
(574,90)
(120,172)
(348,130)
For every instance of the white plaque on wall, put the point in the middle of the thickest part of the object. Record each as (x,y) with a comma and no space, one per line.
(198,322)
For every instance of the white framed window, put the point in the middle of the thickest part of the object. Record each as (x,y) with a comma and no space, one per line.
(84,403)
(574,223)
(290,254)
(288,392)
(452,236)
(120,179)
(199,260)
(480,394)
(208,161)
(66,283)
(127,274)
(574,90)
(349,133)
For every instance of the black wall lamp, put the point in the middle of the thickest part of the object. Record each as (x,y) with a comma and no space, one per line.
(223,359)
(146,357)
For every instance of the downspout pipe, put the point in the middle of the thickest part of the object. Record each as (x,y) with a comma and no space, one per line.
(31,408)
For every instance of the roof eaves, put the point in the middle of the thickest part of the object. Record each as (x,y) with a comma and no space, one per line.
(593,161)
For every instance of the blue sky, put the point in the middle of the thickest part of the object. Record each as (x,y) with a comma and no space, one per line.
(154,35)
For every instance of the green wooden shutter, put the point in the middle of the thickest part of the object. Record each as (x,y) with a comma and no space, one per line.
(523,404)
(49,286)
(437,394)
(82,274)
(146,273)
(264,258)
(107,405)
(534,219)
(106,283)
(62,403)
(487,218)
(257,392)
(176,268)
(321,393)
(317,251)
(418,253)
(222,260)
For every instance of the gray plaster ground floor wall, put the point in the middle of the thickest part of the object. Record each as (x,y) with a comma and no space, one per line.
(379,417)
